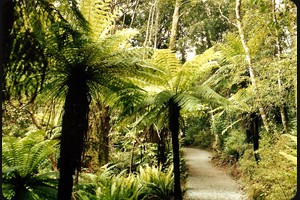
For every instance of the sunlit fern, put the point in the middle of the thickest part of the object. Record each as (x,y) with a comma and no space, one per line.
(155,183)
(25,171)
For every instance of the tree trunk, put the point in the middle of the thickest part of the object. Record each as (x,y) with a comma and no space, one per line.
(250,68)
(105,127)
(156,24)
(150,24)
(162,158)
(174,113)
(74,130)
(216,144)
(134,13)
(6,22)
(254,127)
(278,54)
(175,20)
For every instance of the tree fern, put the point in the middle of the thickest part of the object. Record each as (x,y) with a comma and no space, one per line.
(29,31)
(181,88)
(22,162)
(81,67)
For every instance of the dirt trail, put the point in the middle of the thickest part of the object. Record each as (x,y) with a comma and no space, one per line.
(205,181)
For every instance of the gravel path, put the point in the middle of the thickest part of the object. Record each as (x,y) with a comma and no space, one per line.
(205,181)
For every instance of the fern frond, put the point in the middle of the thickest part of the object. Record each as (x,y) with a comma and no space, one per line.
(189,102)
(22,161)
(207,94)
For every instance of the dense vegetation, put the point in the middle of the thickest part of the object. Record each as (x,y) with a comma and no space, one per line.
(101,96)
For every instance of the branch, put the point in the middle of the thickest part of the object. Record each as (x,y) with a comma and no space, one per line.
(225,16)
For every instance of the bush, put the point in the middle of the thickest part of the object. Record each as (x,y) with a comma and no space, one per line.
(275,176)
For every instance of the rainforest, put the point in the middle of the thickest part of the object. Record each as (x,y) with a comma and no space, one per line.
(108,99)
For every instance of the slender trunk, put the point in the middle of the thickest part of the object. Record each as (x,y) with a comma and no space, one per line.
(156,24)
(250,68)
(33,119)
(216,143)
(208,40)
(174,113)
(105,127)
(53,162)
(283,118)
(152,30)
(282,108)
(175,20)
(149,25)
(133,15)
(278,54)
(74,130)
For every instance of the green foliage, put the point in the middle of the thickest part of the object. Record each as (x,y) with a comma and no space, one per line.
(28,60)
(25,167)
(197,132)
(108,184)
(156,184)
(120,187)
(234,144)
(202,139)
(16,119)
(275,177)
(51,40)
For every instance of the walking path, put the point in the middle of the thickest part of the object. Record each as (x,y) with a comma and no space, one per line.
(205,181)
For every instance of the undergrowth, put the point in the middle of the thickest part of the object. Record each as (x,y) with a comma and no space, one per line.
(275,176)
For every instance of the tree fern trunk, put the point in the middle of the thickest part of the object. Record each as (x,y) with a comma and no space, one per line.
(174,114)
(74,130)
(255,131)
(162,158)
(250,68)
(105,127)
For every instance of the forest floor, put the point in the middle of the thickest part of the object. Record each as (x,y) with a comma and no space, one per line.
(206,181)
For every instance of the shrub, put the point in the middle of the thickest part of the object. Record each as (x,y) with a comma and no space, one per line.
(275,176)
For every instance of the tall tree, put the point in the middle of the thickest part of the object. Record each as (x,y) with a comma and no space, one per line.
(249,61)
(175,21)
(84,68)
(181,89)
